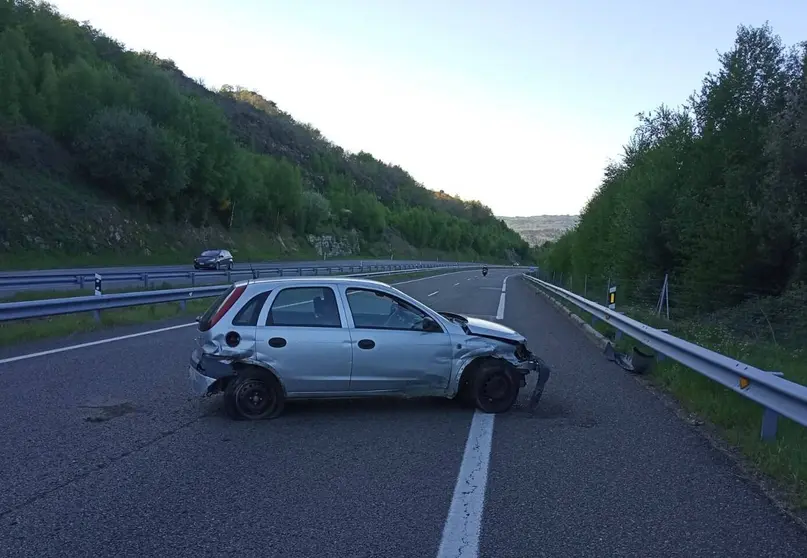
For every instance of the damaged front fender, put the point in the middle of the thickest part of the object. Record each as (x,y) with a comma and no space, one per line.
(518,359)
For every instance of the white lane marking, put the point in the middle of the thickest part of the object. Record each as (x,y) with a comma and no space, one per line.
(93,343)
(431,277)
(500,311)
(455,284)
(434,293)
(163,329)
(464,522)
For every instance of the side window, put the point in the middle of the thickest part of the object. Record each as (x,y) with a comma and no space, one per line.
(248,315)
(305,307)
(377,310)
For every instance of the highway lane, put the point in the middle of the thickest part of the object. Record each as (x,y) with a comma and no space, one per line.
(603,469)
(155,460)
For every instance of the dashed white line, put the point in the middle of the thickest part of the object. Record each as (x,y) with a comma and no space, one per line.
(434,293)
(464,522)
(455,284)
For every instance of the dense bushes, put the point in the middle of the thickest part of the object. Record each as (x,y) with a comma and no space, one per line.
(715,192)
(145,133)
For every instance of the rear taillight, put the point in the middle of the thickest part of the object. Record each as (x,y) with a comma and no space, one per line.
(226,304)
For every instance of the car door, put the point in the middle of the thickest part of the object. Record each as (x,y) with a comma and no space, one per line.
(391,352)
(303,336)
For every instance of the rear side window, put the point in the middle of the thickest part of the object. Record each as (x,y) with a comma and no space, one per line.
(220,307)
(305,307)
(248,315)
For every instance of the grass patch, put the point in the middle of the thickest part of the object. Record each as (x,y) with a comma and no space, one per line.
(61,326)
(737,418)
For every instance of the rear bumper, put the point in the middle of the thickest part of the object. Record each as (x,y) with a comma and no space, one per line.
(199,383)
(203,372)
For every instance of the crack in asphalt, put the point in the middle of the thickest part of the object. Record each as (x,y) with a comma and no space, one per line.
(101,466)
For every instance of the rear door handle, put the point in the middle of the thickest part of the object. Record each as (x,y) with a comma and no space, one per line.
(277,342)
(366,344)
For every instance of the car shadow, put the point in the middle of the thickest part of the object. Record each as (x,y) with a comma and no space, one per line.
(368,407)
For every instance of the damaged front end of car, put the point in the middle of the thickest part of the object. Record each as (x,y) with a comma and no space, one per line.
(508,350)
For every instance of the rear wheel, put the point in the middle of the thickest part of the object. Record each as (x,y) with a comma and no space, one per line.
(254,395)
(492,388)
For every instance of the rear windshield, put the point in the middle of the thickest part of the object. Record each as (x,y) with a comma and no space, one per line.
(210,253)
(204,321)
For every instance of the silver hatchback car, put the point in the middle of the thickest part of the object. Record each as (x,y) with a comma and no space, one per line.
(266,341)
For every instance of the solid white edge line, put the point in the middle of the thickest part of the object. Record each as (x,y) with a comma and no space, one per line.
(93,343)
(163,329)
(434,293)
(463,524)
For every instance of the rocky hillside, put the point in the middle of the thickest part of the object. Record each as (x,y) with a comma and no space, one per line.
(541,228)
(106,152)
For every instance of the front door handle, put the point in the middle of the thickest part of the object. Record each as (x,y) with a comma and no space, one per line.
(366,344)
(277,342)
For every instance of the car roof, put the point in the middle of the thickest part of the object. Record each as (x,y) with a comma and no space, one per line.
(314,280)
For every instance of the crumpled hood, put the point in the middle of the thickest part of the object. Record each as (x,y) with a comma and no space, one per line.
(479,326)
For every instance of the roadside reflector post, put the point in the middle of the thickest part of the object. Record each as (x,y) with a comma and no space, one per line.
(612,297)
(98,292)
(770,418)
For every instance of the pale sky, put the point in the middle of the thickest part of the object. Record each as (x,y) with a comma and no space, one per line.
(516,103)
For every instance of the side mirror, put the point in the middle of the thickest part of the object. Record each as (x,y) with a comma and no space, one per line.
(198,319)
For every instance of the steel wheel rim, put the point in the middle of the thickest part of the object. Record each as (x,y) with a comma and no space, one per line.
(495,388)
(254,398)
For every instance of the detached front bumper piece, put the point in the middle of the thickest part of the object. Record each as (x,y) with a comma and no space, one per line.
(543,372)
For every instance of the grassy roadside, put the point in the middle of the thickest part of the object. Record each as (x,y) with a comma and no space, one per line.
(64,326)
(737,419)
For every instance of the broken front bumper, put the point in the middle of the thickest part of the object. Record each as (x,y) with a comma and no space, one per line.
(535,365)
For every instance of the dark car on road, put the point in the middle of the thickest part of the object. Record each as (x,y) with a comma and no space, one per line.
(214,259)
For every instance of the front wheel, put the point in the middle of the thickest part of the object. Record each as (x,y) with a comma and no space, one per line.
(493,389)
(254,396)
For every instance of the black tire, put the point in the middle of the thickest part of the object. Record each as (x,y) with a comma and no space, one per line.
(492,387)
(254,395)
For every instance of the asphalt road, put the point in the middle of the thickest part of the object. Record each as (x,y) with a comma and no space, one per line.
(105,454)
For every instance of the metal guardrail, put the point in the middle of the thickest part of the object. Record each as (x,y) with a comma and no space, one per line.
(11,281)
(775,394)
(96,303)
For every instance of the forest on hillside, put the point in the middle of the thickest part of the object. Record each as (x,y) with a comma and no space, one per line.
(713,193)
(141,131)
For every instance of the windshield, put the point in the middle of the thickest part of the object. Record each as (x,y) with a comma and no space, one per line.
(210,253)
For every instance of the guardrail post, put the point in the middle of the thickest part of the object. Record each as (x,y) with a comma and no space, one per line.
(770,420)
(193,278)
(182,305)
(80,281)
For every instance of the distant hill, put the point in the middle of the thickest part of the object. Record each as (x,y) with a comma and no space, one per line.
(108,153)
(538,229)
